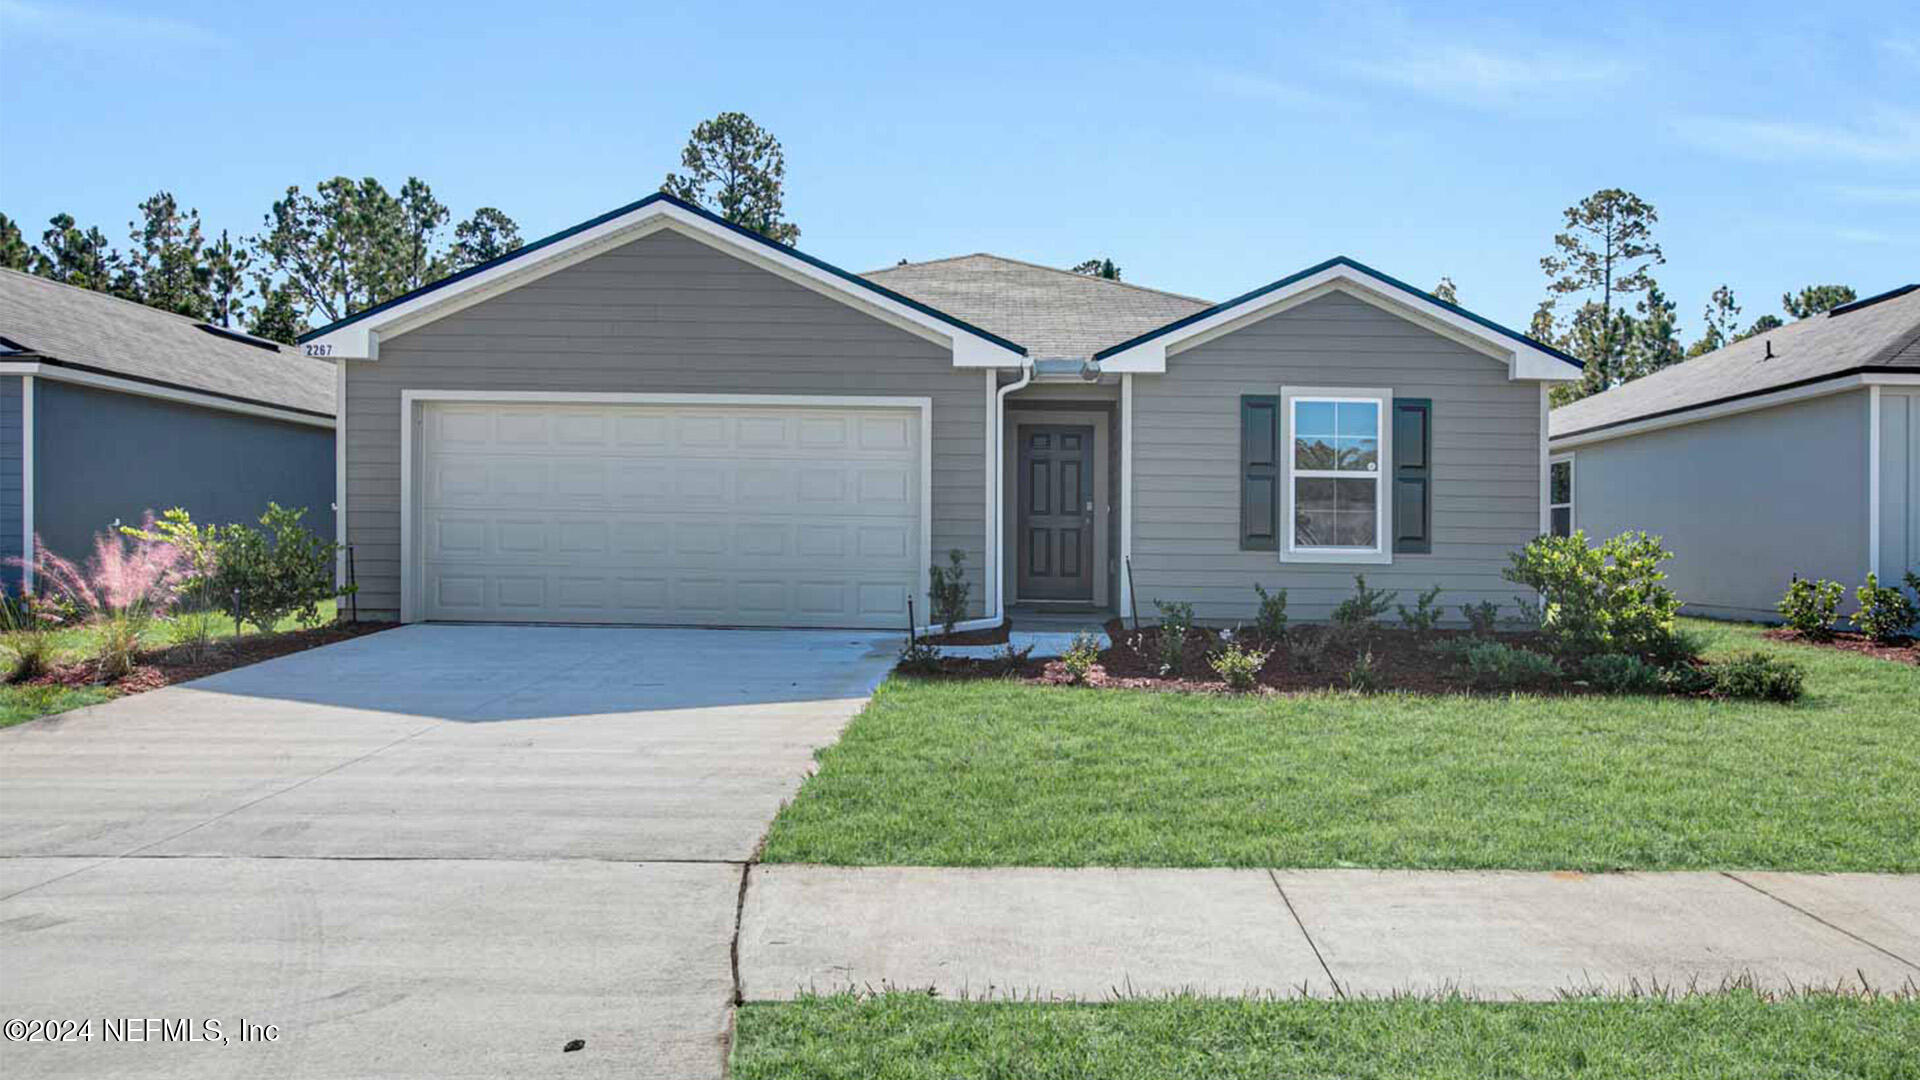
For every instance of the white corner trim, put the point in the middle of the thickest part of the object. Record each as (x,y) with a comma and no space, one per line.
(1839,384)
(1524,361)
(1125,599)
(27,554)
(340,472)
(1873,479)
(355,340)
(58,373)
(1546,462)
(990,597)
(1382,555)
(411,574)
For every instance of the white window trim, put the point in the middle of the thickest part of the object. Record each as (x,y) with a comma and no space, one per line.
(1382,552)
(1571,494)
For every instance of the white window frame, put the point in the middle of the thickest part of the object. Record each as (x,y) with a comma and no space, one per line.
(1551,505)
(1382,551)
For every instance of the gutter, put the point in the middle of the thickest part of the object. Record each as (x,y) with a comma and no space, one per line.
(996,608)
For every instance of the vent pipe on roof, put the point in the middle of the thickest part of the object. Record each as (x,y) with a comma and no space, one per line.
(1768,342)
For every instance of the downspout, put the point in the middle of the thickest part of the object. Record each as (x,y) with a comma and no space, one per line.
(998,583)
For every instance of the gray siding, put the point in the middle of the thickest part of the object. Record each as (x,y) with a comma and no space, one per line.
(664,314)
(1744,502)
(101,456)
(1899,481)
(10,506)
(1186,453)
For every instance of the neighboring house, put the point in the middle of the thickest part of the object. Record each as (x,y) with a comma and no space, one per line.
(109,409)
(659,417)
(1793,452)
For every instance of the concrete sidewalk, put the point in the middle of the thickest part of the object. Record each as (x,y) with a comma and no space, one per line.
(1097,933)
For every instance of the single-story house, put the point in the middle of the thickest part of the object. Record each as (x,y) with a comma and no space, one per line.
(1793,452)
(658,417)
(110,409)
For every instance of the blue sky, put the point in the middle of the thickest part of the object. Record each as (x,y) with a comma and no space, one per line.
(1206,150)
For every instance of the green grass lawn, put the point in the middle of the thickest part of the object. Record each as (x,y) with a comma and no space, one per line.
(910,1037)
(19,704)
(996,773)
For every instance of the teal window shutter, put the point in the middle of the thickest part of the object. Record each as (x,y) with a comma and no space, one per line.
(1259,471)
(1412,476)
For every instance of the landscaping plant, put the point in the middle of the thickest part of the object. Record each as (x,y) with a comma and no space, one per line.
(199,547)
(1885,612)
(1482,618)
(1425,613)
(1240,667)
(1618,673)
(1082,653)
(1759,676)
(277,570)
(1307,647)
(1608,599)
(1271,622)
(949,590)
(1355,615)
(120,590)
(920,658)
(1811,607)
(1499,666)
(1362,677)
(1176,621)
(26,629)
(192,631)
(1010,659)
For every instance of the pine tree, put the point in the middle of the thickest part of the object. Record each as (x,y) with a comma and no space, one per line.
(1607,251)
(737,170)
(1816,300)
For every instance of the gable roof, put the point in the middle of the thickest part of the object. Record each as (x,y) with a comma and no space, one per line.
(973,346)
(65,326)
(1878,334)
(1527,358)
(1054,313)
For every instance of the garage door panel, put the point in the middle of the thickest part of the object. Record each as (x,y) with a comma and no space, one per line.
(725,515)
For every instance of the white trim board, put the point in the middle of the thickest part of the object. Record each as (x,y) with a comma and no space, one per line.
(411,571)
(1839,384)
(162,393)
(357,340)
(1124,602)
(1382,476)
(1873,480)
(27,545)
(1523,361)
(340,472)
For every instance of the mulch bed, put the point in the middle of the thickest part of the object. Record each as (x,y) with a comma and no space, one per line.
(165,667)
(1849,641)
(993,635)
(1402,660)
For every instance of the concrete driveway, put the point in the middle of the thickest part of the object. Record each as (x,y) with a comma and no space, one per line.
(435,851)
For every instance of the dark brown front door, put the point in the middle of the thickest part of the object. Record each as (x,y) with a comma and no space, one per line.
(1055,522)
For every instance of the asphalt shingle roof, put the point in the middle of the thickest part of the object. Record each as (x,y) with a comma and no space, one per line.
(81,328)
(1054,313)
(1874,334)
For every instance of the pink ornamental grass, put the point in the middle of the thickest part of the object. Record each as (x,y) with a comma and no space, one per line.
(124,575)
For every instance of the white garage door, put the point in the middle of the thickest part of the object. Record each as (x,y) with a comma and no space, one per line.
(690,514)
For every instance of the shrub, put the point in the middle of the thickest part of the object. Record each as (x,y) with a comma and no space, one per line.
(1759,676)
(1271,623)
(949,591)
(120,589)
(1239,667)
(1885,612)
(1362,677)
(1082,653)
(192,632)
(1176,621)
(1687,679)
(1607,599)
(199,547)
(277,570)
(1811,607)
(1356,614)
(1425,613)
(1010,659)
(920,657)
(26,630)
(1495,665)
(1618,673)
(1482,618)
(1307,647)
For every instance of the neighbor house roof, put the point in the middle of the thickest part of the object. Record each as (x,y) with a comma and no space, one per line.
(1054,313)
(64,326)
(1878,334)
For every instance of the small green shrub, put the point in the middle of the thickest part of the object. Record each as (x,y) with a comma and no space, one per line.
(1356,614)
(26,631)
(1482,618)
(920,657)
(1271,622)
(1885,612)
(199,546)
(1812,607)
(1759,676)
(192,631)
(1082,653)
(1618,673)
(1009,660)
(1176,622)
(1606,599)
(1239,667)
(1688,679)
(116,639)
(1496,665)
(949,591)
(1363,677)
(1425,613)
(281,568)
(1307,647)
